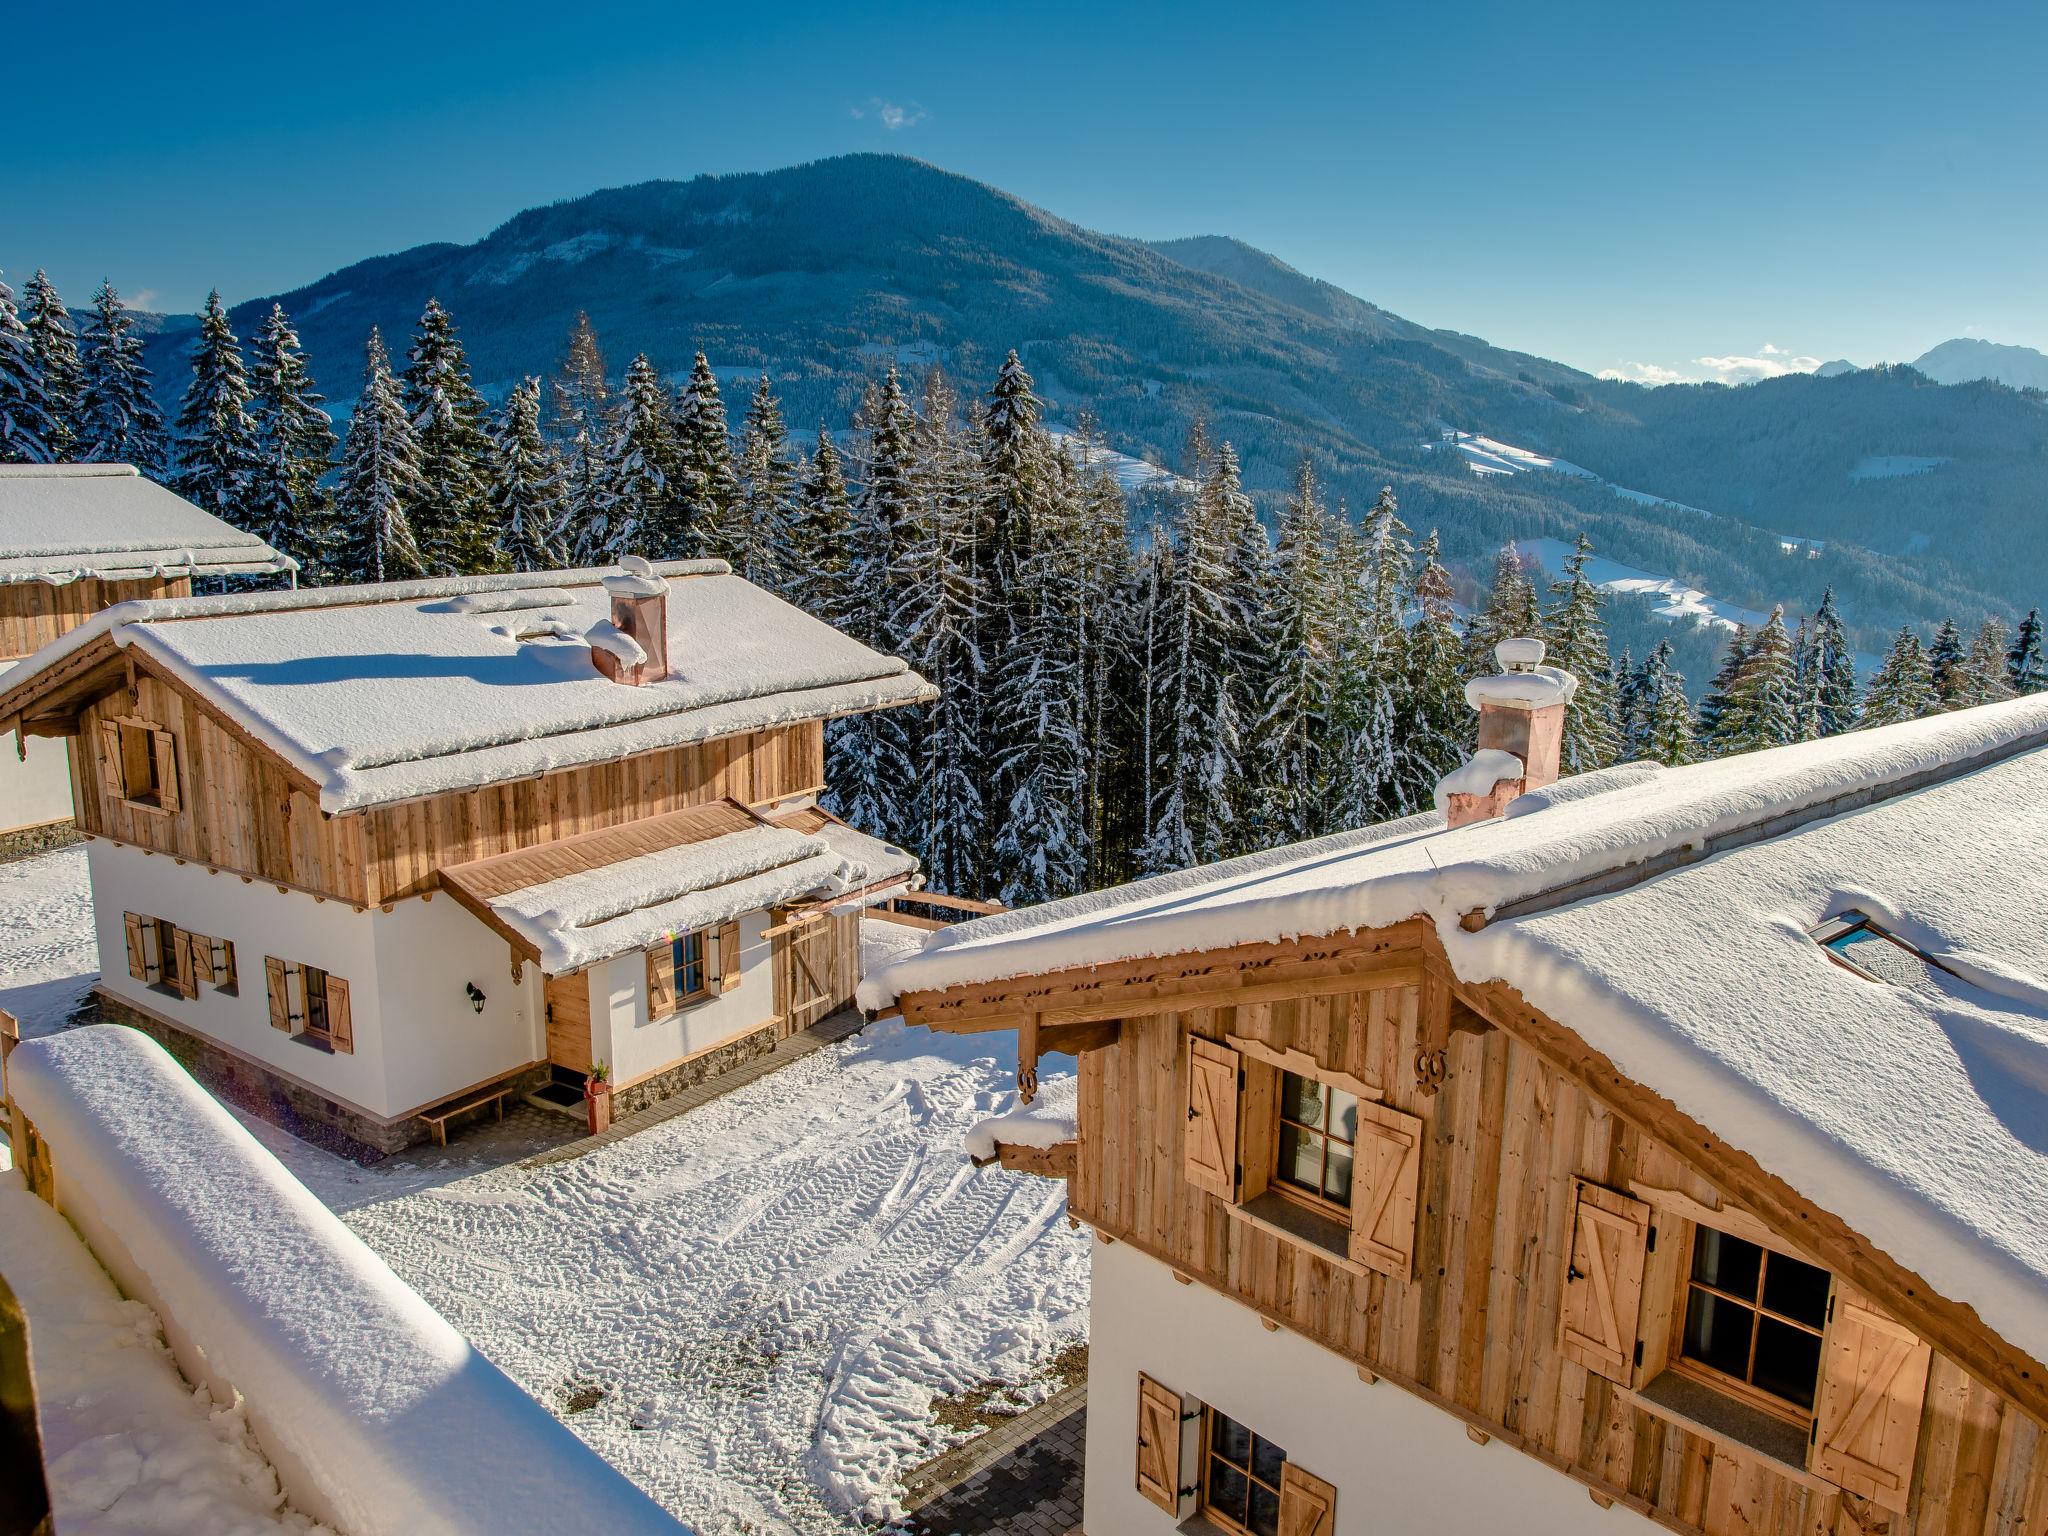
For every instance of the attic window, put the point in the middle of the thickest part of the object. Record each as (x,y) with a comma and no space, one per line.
(1855,941)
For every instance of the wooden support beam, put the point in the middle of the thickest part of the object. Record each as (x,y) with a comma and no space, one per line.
(1027,1059)
(1055,1162)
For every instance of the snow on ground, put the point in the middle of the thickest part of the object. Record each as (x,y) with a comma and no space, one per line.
(48,954)
(768,1291)
(1131,474)
(131,1449)
(1671,598)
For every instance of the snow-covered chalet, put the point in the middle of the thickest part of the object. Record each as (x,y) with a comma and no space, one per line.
(366,857)
(1673,1136)
(76,538)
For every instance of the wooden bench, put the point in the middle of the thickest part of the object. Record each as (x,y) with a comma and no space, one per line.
(438,1118)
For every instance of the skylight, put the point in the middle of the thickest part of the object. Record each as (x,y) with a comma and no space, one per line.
(1857,942)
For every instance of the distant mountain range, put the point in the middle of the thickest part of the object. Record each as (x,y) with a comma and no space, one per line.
(1966,359)
(823,273)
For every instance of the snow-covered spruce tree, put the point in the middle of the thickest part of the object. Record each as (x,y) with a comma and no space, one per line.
(28,432)
(380,481)
(579,394)
(767,494)
(868,757)
(941,619)
(2025,671)
(592,533)
(1578,643)
(527,497)
(1296,674)
(55,345)
(820,537)
(1671,738)
(1716,696)
(645,514)
(706,480)
(1903,688)
(1761,706)
(1510,612)
(1105,592)
(1436,726)
(1832,679)
(119,422)
(1196,732)
(452,520)
(288,507)
(1945,665)
(216,438)
(1983,679)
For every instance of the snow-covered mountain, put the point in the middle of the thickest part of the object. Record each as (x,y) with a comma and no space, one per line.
(1968,357)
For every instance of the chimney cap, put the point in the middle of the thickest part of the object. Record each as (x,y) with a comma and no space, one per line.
(634,578)
(1519,654)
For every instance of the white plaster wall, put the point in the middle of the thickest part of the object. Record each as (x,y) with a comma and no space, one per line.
(435,1042)
(35,790)
(1401,1467)
(632,1045)
(416,1037)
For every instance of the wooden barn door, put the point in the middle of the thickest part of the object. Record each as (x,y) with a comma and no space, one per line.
(817,965)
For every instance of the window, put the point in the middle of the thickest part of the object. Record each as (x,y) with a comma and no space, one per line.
(689,968)
(310,1005)
(139,764)
(1753,1322)
(687,953)
(1855,941)
(1317,1142)
(1240,1477)
(176,961)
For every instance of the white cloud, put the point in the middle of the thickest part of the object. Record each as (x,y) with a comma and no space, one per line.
(1646,373)
(892,114)
(1769,363)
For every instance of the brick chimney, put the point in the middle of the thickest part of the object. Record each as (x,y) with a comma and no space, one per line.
(1521,734)
(632,646)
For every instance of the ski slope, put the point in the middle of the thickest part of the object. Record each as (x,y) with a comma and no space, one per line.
(1669,597)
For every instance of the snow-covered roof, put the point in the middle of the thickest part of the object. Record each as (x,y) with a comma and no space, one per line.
(61,523)
(1917,1115)
(587,898)
(384,693)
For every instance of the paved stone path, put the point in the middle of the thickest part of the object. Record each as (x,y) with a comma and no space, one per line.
(1022,1478)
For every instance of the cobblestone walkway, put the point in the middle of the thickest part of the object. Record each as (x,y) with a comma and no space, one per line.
(1031,1489)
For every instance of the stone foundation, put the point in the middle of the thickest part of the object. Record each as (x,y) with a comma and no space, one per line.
(305,1113)
(692,1071)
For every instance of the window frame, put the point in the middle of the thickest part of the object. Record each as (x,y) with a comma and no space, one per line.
(679,954)
(142,764)
(1206,1453)
(1278,1183)
(1854,920)
(1741,1390)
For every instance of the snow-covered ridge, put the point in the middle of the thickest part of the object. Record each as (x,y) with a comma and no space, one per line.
(1669,597)
(378,1416)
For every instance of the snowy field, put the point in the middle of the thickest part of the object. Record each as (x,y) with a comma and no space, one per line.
(750,1307)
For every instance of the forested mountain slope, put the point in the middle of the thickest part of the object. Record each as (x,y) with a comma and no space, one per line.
(822,272)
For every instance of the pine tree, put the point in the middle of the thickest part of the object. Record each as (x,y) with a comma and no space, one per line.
(1716,698)
(1369,785)
(217,456)
(1578,639)
(56,348)
(1945,665)
(1296,675)
(589,528)
(580,395)
(380,481)
(1435,732)
(644,513)
(1903,688)
(1982,676)
(527,499)
(1510,612)
(767,492)
(28,432)
(2025,671)
(1670,737)
(453,520)
(119,422)
(1761,706)
(1827,673)
(705,479)
(288,508)
(820,538)
(1105,606)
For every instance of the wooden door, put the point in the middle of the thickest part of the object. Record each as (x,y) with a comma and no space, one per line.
(568,1006)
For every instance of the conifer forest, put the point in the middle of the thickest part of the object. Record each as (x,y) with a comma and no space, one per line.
(1130,682)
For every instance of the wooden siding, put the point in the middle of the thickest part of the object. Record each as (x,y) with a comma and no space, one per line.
(568,1000)
(817,966)
(33,613)
(1477,1330)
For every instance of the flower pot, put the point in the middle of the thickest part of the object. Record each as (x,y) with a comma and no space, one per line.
(597,1104)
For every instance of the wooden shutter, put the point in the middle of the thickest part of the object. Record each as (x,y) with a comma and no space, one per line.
(1866,1415)
(1210,1139)
(661,981)
(165,748)
(280,1001)
(1603,1283)
(1159,1444)
(138,967)
(188,977)
(1308,1505)
(341,1029)
(728,958)
(223,962)
(110,760)
(1385,1177)
(199,958)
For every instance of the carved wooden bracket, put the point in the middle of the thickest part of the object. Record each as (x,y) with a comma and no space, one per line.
(1442,1016)
(1035,1040)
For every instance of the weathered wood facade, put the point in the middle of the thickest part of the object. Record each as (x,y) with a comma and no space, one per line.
(33,613)
(1533,1285)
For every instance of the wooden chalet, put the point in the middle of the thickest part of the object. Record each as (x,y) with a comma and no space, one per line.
(1678,1138)
(372,856)
(77,538)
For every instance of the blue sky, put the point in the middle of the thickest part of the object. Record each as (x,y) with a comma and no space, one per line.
(1658,188)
